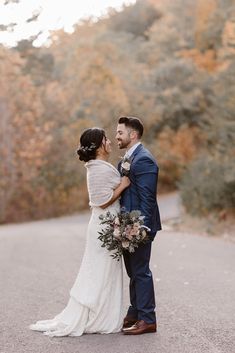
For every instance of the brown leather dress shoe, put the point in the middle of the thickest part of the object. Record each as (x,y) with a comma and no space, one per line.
(129,321)
(139,328)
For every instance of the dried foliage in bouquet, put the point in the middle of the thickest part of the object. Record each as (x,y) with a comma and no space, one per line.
(123,231)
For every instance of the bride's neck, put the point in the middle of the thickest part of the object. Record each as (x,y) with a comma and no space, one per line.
(103,158)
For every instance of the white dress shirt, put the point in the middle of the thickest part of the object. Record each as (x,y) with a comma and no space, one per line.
(131,150)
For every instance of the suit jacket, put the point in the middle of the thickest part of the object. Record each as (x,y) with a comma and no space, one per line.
(142,193)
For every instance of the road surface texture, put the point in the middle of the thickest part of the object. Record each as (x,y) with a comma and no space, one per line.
(193,275)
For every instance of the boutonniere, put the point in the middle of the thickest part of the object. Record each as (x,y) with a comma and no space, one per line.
(126,166)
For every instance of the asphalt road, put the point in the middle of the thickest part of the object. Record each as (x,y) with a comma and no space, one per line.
(194,282)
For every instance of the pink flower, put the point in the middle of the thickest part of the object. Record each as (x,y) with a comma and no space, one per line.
(116,233)
(116,221)
(129,236)
(135,229)
(128,232)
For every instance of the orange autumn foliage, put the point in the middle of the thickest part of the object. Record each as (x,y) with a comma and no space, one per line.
(171,63)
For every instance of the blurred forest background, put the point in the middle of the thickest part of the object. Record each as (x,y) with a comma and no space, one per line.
(169,62)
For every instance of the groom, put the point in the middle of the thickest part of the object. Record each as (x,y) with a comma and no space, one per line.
(140,195)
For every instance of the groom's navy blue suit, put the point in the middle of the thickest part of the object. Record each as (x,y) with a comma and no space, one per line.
(141,195)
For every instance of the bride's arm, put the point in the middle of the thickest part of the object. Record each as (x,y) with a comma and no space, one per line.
(125,182)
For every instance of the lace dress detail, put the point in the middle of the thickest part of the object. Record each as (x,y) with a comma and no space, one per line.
(95,303)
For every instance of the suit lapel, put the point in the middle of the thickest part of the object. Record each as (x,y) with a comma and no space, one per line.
(134,154)
(136,151)
(119,166)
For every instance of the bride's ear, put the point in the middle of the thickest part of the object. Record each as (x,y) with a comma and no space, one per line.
(99,150)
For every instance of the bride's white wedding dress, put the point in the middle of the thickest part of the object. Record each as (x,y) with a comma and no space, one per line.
(95,304)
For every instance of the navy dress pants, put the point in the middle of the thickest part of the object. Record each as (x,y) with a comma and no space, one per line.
(141,287)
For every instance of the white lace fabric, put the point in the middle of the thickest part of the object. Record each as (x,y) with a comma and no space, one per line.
(95,303)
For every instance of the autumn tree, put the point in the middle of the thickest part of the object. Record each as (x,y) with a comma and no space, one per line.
(24,141)
(171,63)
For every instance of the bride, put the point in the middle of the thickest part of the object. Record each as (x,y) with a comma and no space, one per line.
(95,303)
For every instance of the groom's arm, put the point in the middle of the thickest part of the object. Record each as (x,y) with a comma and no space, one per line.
(146,173)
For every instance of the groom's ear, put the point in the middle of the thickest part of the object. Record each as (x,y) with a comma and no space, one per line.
(134,135)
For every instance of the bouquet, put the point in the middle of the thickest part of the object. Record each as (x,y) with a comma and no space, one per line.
(123,231)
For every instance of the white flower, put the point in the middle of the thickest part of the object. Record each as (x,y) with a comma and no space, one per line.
(116,233)
(116,221)
(144,233)
(126,165)
(125,244)
(131,249)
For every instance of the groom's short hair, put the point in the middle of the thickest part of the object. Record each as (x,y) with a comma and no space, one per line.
(133,123)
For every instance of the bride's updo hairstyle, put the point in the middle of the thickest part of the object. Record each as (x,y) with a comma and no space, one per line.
(90,141)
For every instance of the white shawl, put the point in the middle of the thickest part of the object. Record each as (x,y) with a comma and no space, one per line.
(102,179)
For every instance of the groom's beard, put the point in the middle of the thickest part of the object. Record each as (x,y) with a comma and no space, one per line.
(123,143)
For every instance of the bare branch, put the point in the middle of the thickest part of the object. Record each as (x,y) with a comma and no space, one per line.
(34,16)
(6,2)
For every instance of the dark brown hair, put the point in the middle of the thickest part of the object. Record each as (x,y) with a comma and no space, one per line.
(133,123)
(90,140)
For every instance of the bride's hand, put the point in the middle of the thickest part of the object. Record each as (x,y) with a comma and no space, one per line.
(125,182)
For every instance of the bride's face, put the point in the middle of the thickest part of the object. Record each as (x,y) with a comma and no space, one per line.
(107,145)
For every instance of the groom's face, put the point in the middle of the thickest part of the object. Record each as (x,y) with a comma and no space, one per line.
(123,136)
